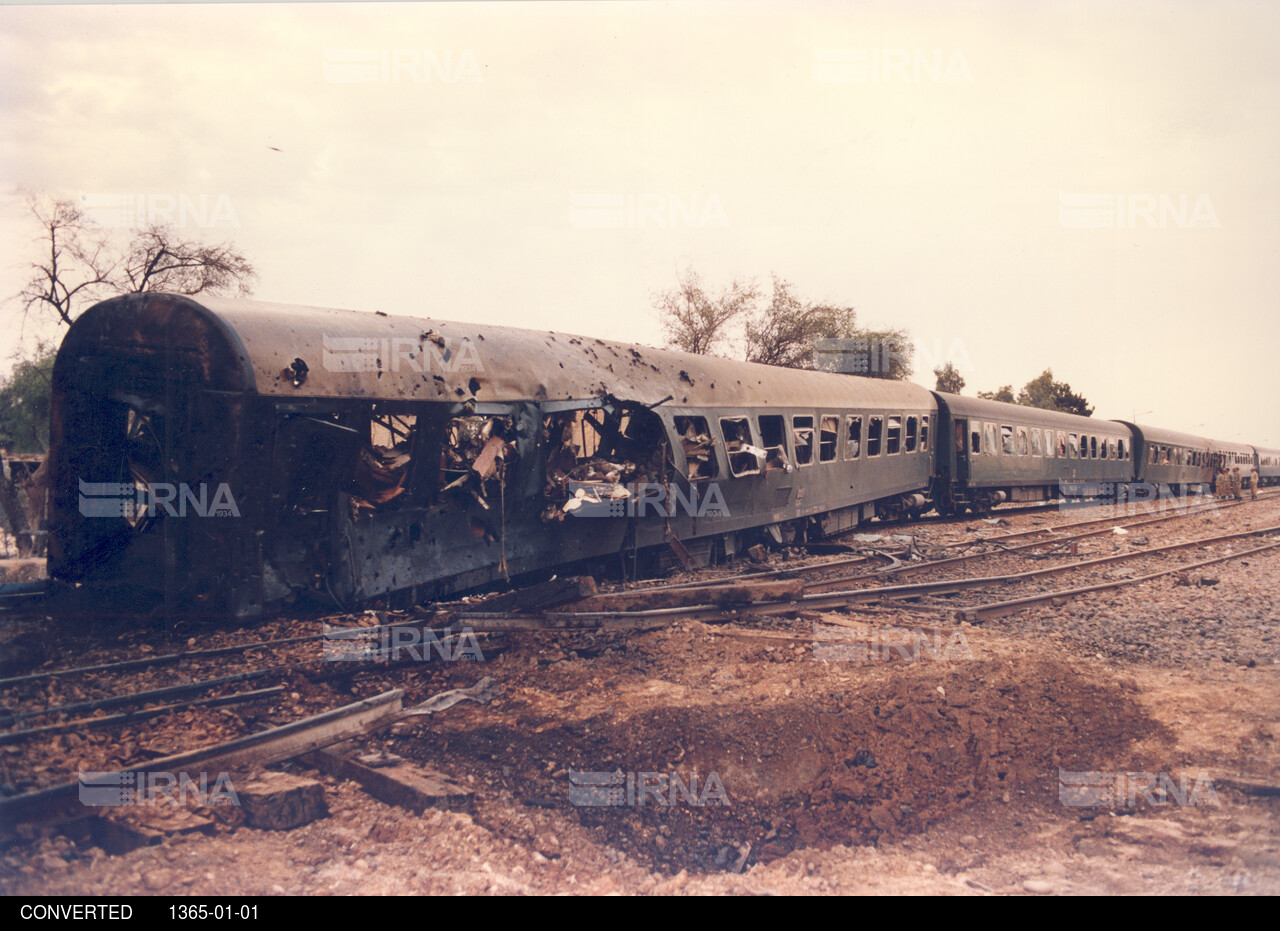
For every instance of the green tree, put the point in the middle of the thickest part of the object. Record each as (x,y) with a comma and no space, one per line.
(1045,393)
(949,379)
(696,321)
(1004,393)
(25,404)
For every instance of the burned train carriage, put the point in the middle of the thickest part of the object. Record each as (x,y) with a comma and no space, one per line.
(230,456)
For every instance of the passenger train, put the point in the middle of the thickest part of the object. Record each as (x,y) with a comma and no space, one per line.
(230,458)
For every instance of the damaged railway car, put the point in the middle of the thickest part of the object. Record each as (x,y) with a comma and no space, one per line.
(230,457)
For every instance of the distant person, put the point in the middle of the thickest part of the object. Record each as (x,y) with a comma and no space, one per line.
(1219,484)
(1235,484)
(1253,483)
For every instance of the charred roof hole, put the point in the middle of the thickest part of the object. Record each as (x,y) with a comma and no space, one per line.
(380,313)
(713,386)
(459,392)
(474,385)
(439,378)
(296,373)
(684,377)
(434,337)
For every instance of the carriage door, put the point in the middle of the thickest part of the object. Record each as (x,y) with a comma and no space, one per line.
(960,444)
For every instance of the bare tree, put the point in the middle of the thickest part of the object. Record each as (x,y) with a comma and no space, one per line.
(78,265)
(85,263)
(159,260)
(694,320)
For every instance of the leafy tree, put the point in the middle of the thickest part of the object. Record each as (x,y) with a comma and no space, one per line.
(949,379)
(1045,393)
(696,321)
(787,331)
(25,404)
(1004,394)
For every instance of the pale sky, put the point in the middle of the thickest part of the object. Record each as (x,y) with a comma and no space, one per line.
(1087,186)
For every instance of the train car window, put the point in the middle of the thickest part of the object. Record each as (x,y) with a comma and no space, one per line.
(893,443)
(989,439)
(875,427)
(1124,453)
(912,434)
(853,436)
(475,453)
(1093,447)
(1062,445)
(1102,449)
(1037,446)
(975,439)
(1006,439)
(745,458)
(699,448)
(802,434)
(828,437)
(1164,455)
(773,430)
(924,432)
(1073,446)
(1023,448)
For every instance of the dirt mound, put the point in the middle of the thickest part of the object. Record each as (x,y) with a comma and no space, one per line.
(702,786)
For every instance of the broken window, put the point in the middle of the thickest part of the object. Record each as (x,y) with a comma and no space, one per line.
(893,443)
(1123,453)
(1023,447)
(975,439)
(1062,445)
(1073,445)
(853,436)
(989,439)
(773,428)
(924,433)
(745,458)
(875,426)
(382,465)
(829,437)
(802,433)
(474,457)
(594,455)
(1093,447)
(913,426)
(1037,448)
(699,449)
(1006,439)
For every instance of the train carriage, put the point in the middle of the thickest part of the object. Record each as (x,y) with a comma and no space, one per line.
(1267,462)
(1172,462)
(998,452)
(228,456)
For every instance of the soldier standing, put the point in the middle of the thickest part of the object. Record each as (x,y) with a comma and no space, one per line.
(1253,483)
(1235,484)
(1217,483)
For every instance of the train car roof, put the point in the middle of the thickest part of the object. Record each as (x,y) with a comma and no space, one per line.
(292,351)
(1169,437)
(984,409)
(1222,446)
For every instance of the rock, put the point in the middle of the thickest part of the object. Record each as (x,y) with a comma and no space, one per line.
(1037,886)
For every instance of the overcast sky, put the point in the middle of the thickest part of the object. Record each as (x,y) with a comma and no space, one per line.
(1091,187)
